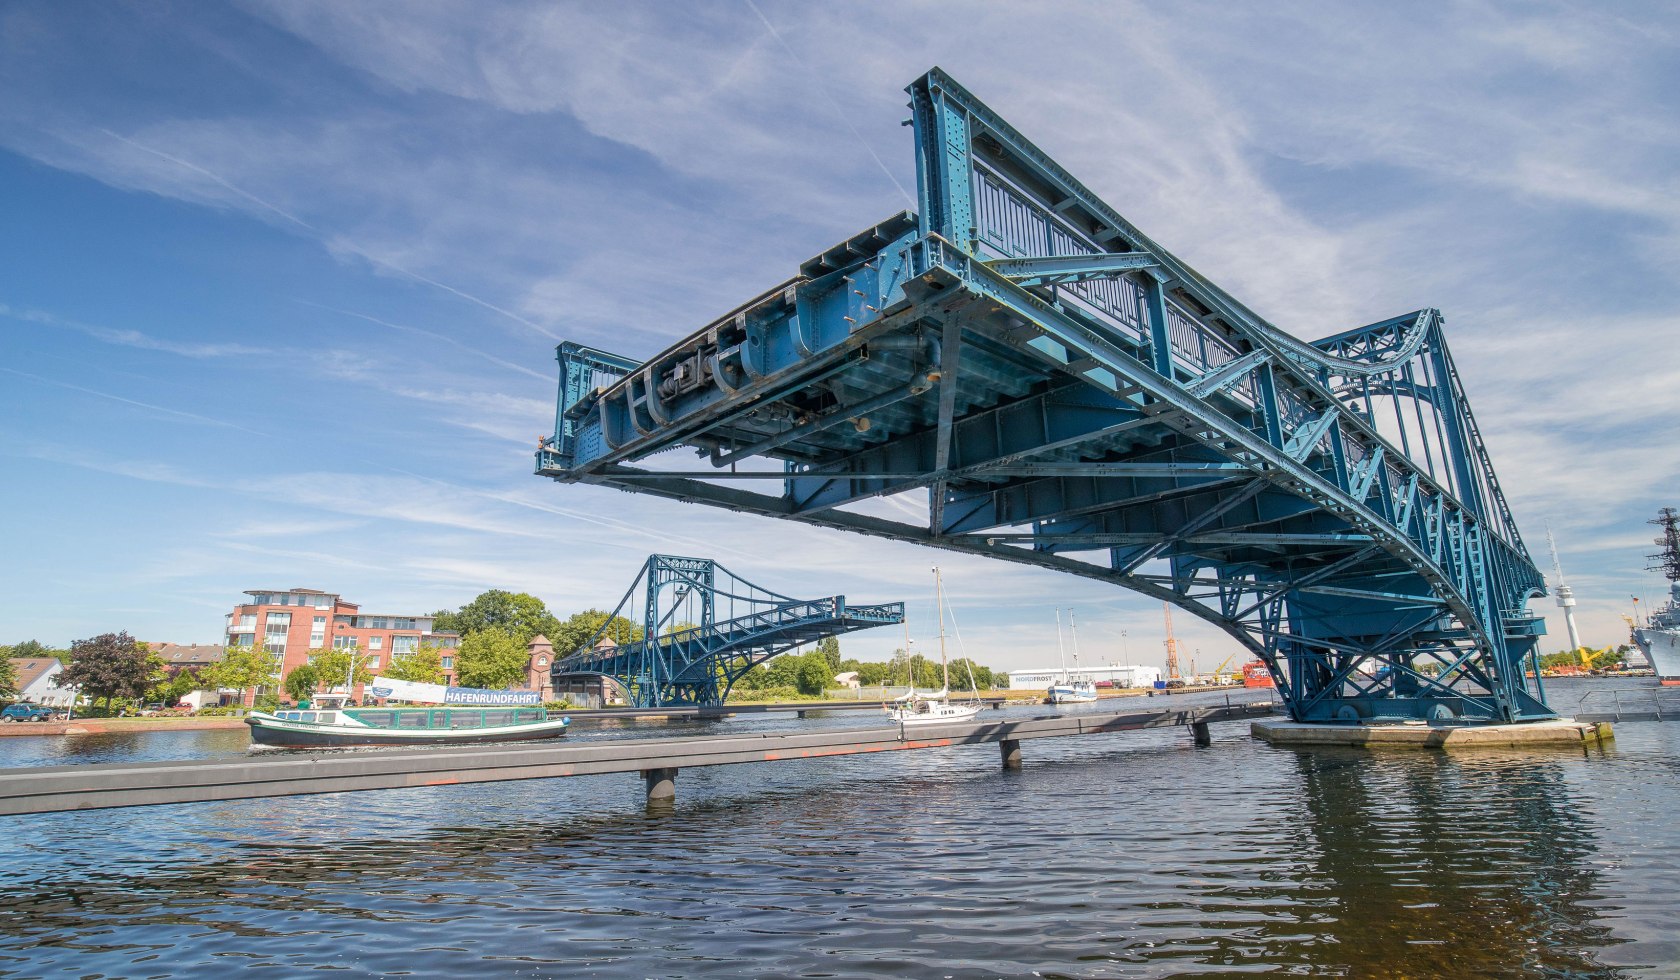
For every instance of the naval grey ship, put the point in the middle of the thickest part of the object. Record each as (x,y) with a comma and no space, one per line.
(1659,636)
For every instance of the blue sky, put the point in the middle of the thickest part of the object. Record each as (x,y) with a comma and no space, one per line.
(280,283)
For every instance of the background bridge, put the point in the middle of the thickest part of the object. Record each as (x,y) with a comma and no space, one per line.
(701,627)
(1064,392)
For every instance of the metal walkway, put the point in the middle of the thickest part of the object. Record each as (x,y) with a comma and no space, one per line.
(59,788)
(1050,386)
(701,627)
(1618,706)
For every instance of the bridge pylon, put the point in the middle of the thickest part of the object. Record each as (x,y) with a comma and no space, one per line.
(700,627)
(1061,391)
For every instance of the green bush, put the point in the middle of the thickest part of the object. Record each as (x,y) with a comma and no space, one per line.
(777,692)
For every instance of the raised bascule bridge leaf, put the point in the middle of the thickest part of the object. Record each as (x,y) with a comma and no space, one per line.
(1059,390)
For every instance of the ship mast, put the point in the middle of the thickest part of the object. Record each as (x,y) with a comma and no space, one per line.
(1667,560)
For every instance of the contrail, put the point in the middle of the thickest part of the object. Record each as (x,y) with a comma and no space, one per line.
(129,401)
(435,336)
(830,100)
(352,246)
(195,168)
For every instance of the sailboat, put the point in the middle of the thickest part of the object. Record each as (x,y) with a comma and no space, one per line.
(935,708)
(1073,688)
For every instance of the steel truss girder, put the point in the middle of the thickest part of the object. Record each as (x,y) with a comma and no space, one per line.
(1084,392)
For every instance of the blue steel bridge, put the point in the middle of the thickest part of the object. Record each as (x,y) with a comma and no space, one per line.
(688,628)
(1059,390)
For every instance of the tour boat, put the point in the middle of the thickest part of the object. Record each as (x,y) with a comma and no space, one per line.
(935,708)
(331,724)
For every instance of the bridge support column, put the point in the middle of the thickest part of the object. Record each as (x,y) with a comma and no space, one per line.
(1200,734)
(661,784)
(1011,753)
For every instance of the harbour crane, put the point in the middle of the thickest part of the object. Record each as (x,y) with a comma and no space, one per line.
(1172,645)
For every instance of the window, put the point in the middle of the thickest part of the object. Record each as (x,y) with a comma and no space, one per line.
(447,663)
(373,663)
(376,643)
(283,620)
(343,642)
(318,633)
(378,623)
(404,644)
(248,621)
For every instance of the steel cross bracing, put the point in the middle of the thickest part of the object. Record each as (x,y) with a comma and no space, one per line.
(1063,392)
(698,628)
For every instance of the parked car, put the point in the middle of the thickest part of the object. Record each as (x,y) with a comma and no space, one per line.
(27,712)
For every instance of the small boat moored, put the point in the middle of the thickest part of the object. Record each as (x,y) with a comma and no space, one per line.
(330,724)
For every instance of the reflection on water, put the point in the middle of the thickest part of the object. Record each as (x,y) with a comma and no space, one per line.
(1126,856)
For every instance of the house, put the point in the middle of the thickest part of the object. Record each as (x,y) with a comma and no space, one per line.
(188,656)
(37,682)
(587,690)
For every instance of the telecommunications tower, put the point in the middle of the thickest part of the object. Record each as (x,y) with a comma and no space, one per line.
(1565,595)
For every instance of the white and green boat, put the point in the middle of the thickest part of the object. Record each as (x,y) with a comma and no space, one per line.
(331,723)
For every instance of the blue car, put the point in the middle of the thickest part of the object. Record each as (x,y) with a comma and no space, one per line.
(27,712)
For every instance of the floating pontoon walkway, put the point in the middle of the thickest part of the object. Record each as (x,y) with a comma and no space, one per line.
(61,788)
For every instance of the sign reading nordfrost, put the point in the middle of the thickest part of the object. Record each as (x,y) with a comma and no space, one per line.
(397,690)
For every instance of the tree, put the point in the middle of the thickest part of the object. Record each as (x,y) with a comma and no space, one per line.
(967,675)
(581,627)
(243,668)
(29,650)
(813,674)
(493,657)
(333,667)
(108,666)
(423,666)
(302,681)
(168,690)
(829,647)
(8,678)
(520,613)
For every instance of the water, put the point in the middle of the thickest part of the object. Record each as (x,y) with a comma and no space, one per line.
(1130,855)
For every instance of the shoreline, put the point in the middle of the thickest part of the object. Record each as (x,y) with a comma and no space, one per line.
(107,726)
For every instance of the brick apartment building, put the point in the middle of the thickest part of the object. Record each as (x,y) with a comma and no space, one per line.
(296,624)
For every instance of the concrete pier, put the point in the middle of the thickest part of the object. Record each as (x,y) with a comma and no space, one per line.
(1011,753)
(661,784)
(1200,734)
(1417,735)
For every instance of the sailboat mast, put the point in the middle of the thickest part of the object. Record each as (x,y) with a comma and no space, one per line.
(1061,648)
(1073,628)
(939,598)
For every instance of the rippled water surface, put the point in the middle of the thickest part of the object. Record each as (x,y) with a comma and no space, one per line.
(1132,855)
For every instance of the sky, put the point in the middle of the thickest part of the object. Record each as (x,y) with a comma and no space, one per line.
(281,282)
